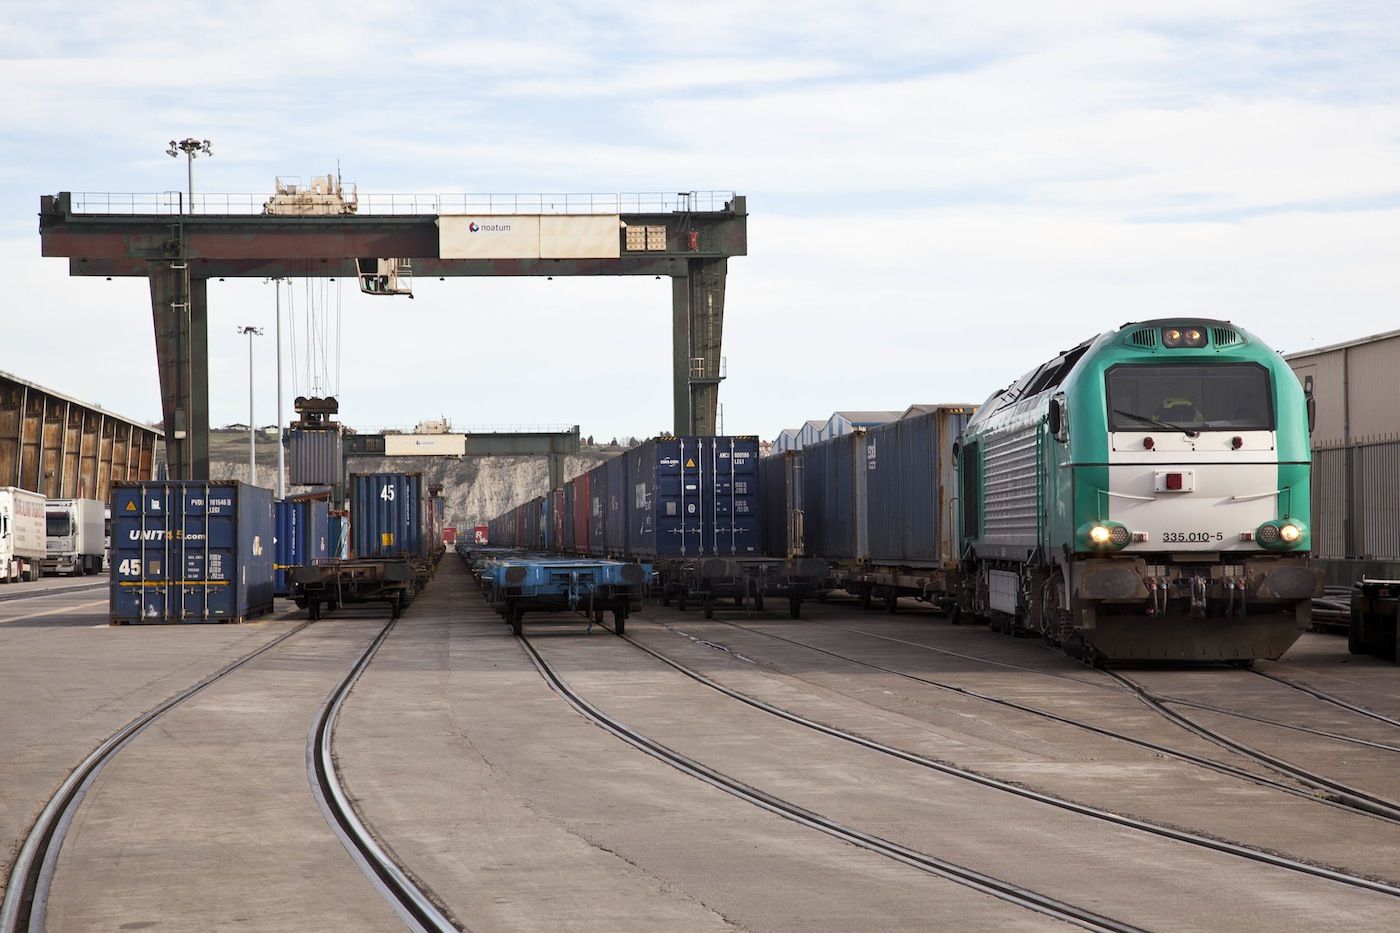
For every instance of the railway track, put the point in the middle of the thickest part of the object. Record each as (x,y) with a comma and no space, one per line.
(1330,698)
(930,864)
(1352,797)
(1117,687)
(53,591)
(414,904)
(1380,810)
(31,875)
(1235,849)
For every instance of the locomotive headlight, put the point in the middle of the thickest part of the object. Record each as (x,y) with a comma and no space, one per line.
(1171,337)
(1194,337)
(1280,535)
(1103,536)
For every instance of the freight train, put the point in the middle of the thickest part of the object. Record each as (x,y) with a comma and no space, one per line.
(688,506)
(1142,496)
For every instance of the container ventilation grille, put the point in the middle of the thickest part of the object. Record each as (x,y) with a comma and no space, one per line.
(1224,336)
(1144,338)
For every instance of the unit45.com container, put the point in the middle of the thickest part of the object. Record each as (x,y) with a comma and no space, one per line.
(190,551)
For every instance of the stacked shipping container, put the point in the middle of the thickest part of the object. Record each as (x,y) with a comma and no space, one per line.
(668,497)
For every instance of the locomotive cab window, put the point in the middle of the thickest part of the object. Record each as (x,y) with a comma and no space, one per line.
(1190,397)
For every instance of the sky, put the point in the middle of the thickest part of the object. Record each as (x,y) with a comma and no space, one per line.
(941,195)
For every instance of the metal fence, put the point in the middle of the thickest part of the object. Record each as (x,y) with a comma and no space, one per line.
(173,202)
(1356,501)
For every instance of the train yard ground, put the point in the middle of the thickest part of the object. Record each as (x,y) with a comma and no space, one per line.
(847,770)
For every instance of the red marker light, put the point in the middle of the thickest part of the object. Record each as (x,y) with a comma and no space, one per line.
(1173,480)
(1148,442)
(1237,442)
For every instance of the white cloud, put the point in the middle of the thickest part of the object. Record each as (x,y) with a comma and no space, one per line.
(916,172)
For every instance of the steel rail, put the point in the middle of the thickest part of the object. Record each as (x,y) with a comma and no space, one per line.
(1118,688)
(31,875)
(1291,727)
(1349,796)
(54,591)
(1329,698)
(1236,849)
(1198,760)
(413,903)
(995,887)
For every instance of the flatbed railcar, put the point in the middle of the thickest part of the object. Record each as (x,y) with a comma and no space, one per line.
(1144,496)
(515,585)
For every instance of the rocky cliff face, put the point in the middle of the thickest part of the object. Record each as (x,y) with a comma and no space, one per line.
(475,488)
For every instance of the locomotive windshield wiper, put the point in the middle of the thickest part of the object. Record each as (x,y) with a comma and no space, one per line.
(1164,424)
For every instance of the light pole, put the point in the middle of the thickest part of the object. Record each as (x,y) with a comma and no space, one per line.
(190,147)
(281,462)
(252,429)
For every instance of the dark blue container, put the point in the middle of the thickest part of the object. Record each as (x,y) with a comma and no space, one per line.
(617,511)
(910,488)
(191,552)
(834,498)
(693,497)
(302,536)
(388,515)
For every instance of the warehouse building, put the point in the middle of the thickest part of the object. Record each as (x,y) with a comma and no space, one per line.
(1355,387)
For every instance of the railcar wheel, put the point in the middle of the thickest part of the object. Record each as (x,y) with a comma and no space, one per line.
(1243,663)
(517,623)
(709,607)
(758,602)
(866,595)
(313,610)
(620,619)
(795,607)
(892,602)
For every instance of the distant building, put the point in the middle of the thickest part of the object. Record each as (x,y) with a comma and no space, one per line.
(1356,454)
(1357,387)
(839,424)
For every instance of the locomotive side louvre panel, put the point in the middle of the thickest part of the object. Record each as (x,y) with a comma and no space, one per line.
(1011,485)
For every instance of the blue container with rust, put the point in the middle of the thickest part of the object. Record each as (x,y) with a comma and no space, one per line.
(189,551)
(388,515)
(302,536)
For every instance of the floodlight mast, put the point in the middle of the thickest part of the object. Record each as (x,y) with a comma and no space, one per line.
(191,147)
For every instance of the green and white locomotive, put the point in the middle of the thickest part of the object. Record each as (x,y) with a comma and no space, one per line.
(1144,496)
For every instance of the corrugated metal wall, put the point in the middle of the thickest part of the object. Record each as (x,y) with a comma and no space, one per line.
(1360,518)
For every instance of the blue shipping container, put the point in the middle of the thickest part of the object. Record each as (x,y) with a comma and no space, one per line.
(387,512)
(302,536)
(191,552)
(693,497)
(616,513)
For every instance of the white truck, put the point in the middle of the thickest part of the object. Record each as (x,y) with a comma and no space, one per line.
(75,536)
(21,534)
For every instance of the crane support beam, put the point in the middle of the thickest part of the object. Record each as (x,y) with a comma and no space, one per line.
(694,252)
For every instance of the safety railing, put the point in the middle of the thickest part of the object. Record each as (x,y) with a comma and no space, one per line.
(216,204)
